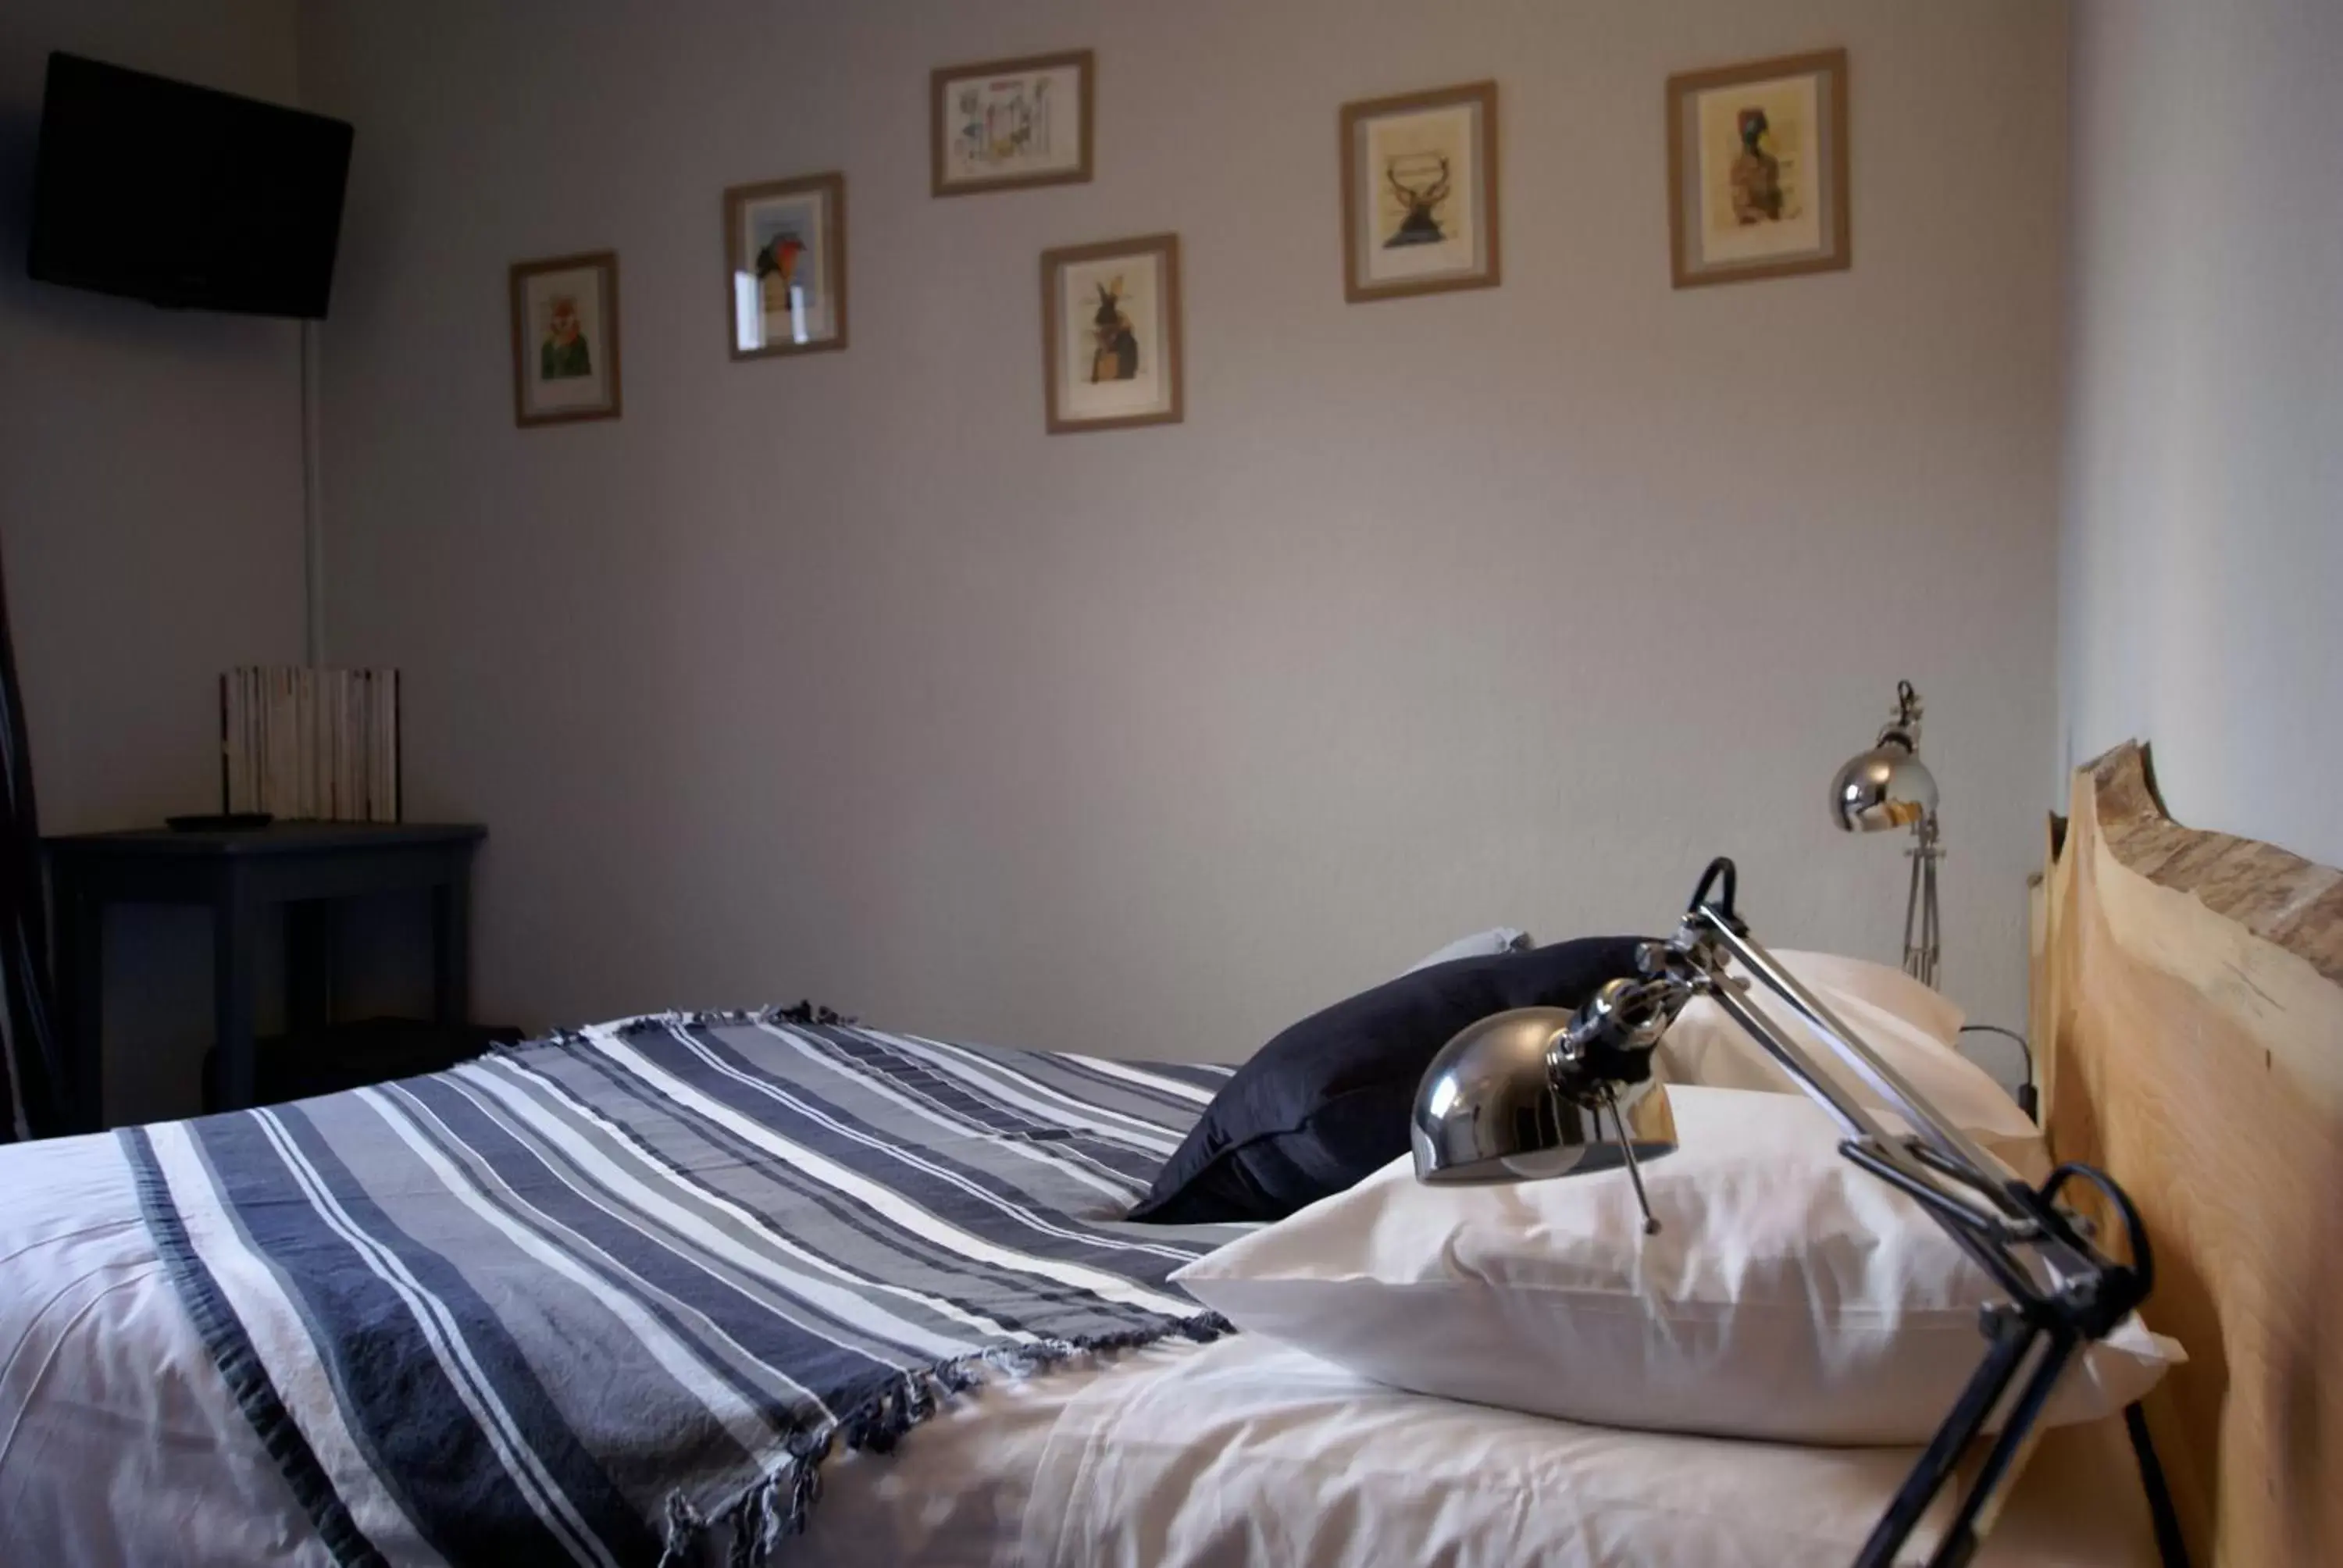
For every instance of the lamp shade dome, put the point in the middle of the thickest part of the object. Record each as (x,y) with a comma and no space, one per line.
(1886,787)
(1488,1110)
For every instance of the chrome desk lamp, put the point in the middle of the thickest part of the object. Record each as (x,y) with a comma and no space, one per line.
(1541,1093)
(1889,787)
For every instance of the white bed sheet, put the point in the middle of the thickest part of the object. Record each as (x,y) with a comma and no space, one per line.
(120,1444)
(1249,1453)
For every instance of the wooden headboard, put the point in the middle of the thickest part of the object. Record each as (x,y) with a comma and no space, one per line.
(2188,1021)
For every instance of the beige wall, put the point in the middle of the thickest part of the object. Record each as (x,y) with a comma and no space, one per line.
(2204,515)
(837,676)
(150,513)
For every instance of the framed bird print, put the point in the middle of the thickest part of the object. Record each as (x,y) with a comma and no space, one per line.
(1110,348)
(1001,123)
(1757,170)
(785,267)
(1420,193)
(564,339)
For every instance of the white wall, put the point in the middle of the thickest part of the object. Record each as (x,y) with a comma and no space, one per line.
(2202,567)
(837,676)
(150,514)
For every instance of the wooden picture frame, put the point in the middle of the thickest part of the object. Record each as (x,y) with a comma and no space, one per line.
(791,234)
(574,374)
(1790,115)
(1115,306)
(1018,97)
(1430,242)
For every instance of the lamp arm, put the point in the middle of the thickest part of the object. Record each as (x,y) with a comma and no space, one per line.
(1989,1214)
(2064,1292)
(1901,1095)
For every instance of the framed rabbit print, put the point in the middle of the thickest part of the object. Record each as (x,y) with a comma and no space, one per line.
(1111,346)
(1420,193)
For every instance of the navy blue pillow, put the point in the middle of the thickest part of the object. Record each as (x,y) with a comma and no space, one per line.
(1327,1101)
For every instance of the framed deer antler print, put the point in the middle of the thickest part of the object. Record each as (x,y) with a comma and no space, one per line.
(1110,348)
(1420,193)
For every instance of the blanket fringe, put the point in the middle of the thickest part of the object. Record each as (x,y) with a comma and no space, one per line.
(778,1507)
(805,1012)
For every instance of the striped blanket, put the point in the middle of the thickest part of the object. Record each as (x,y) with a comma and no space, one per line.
(591,1298)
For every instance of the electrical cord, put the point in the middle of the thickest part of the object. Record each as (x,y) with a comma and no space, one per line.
(2170,1548)
(2028,1098)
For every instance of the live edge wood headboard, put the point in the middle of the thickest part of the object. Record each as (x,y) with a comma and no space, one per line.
(2188,1021)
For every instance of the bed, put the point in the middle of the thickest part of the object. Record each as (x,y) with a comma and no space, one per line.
(1099,1418)
(121,1443)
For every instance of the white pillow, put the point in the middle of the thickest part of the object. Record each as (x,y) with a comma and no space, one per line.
(1789,1295)
(1924,1008)
(1912,1027)
(1479,945)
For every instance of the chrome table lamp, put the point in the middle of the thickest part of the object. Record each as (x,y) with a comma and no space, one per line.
(1889,787)
(1538,1092)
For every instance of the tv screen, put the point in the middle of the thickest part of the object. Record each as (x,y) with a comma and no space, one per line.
(183,195)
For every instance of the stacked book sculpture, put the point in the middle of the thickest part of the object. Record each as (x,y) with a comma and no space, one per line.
(310,744)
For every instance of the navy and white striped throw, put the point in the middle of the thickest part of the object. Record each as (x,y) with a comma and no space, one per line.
(586,1298)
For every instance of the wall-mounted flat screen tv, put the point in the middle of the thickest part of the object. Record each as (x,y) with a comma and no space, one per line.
(186,196)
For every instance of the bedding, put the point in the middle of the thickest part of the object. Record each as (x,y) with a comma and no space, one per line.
(124,1448)
(1891,990)
(1244,1453)
(121,1441)
(1912,1028)
(1326,1100)
(1479,945)
(121,1446)
(1789,1295)
(586,1298)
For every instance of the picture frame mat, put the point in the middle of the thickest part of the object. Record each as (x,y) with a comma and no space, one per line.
(1145,299)
(1382,139)
(1796,103)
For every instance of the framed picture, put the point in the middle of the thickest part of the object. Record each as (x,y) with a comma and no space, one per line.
(1111,346)
(785,265)
(1001,123)
(1757,163)
(565,339)
(1420,193)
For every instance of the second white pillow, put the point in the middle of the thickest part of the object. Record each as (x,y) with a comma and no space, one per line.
(1910,1026)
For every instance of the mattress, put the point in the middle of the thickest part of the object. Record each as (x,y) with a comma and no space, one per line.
(120,1443)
